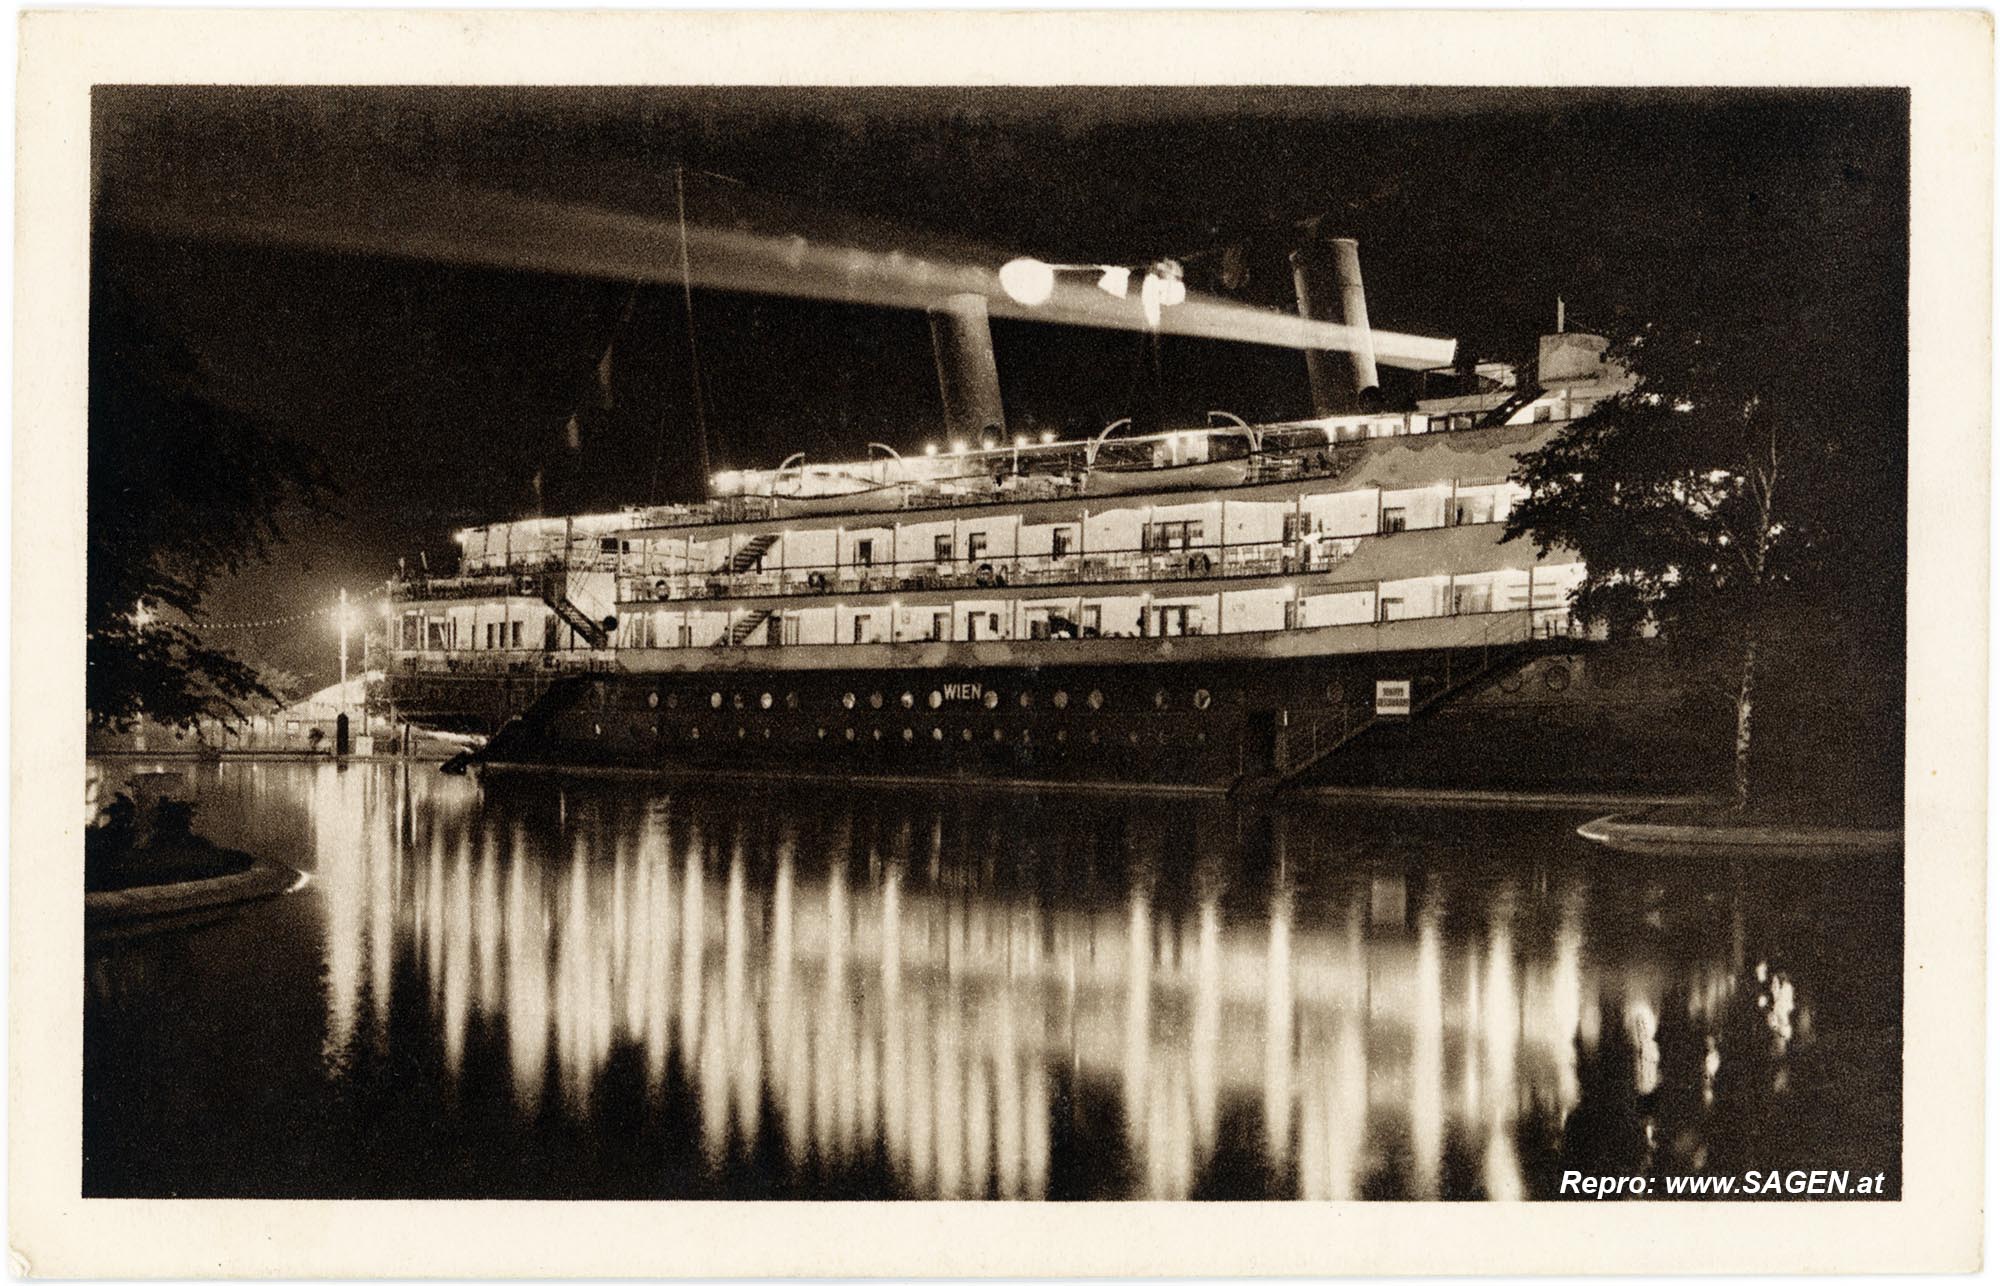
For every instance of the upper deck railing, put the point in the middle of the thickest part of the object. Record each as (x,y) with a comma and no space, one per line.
(1195,560)
(1289,463)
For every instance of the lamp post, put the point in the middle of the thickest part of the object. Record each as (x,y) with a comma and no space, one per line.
(342,614)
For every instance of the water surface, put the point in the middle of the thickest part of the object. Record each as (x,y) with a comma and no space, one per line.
(601,988)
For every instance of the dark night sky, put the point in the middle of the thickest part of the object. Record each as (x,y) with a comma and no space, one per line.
(437,389)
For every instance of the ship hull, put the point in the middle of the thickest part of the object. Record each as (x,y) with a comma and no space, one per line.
(1542,716)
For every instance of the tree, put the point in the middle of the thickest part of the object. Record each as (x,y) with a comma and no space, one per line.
(182,488)
(1703,503)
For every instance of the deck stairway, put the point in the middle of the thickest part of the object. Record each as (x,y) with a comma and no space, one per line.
(555,592)
(749,625)
(751,554)
(520,737)
(1462,672)
(1520,397)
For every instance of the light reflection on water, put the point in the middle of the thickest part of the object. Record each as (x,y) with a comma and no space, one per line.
(999,996)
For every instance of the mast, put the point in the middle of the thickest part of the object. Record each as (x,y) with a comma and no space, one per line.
(687,303)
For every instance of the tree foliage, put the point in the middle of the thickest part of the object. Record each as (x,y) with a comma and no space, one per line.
(1674,492)
(182,488)
(1722,500)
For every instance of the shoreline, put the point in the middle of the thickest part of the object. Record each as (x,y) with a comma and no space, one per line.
(1636,834)
(141,905)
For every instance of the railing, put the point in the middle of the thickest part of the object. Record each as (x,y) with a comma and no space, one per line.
(1272,465)
(438,588)
(1200,561)
(1321,734)
(522,661)
(1543,624)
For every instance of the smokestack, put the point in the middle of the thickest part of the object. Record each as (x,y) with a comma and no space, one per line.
(1327,276)
(968,379)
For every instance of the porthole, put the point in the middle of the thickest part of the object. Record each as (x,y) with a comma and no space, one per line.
(937,734)
(1556,677)
(1060,699)
(847,700)
(1201,698)
(1160,699)
(876,733)
(652,700)
(596,729)
(715,701)
(1026,736)
(1027,699)
(694,734)
(767,734)
(965,734)
(999,735)
(937,698)
(874,701)
(1096,699)
(909,701)
(850,734)
(991,700)
(1093,736)
(1335,694)
(1132,737)
(741,732)
(673,700)
(909,734)
(822,732)
(1511,683)
(656,730)
(1201,737)
(736,699)
(764,701)
(791,701)
(1062,734)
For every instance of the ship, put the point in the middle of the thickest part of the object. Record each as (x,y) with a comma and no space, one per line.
(1223,607)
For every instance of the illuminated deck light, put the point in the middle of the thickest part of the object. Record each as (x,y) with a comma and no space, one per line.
(1028,281)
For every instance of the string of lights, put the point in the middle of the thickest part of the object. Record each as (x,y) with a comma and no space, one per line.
(263,624)
(331,610)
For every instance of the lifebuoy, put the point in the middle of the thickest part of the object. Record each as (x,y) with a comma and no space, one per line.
(984,575)
(816,581)
(660,589)
(1199,563)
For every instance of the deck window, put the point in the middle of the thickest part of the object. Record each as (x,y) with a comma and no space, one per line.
(864,556)
(941,549)
(975,545)
(1059,542)
(1395,519)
